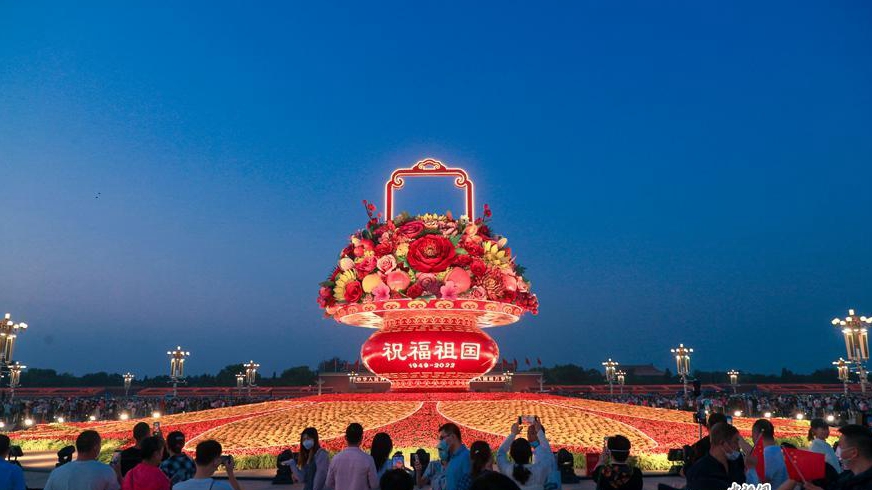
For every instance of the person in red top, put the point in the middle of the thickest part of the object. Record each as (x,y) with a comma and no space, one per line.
(147,475)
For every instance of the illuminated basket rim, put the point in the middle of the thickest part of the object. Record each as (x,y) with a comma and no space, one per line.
(371,315)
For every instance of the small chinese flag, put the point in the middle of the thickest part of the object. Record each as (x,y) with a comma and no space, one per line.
(515,364)
(804,465)
(345,366)
(757,452)
(538,361)
(357,365)
(528,360)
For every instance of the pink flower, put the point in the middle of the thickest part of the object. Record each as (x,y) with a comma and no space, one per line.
(387,263)
(478,292)
(522,285)
(449,290)
(429,282)
(381,292)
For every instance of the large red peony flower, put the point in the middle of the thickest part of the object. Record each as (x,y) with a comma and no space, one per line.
(431,253)
(411,229)
(353,291)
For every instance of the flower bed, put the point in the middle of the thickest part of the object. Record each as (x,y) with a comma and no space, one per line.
(413,420)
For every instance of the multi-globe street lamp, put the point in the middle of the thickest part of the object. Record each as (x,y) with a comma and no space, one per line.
(856,342)
(128,379)
(9,330)
(844,372)
(734,379)
(682,363)
(610,367)
(250,374)
(14,377)
(621,375)
(177,367)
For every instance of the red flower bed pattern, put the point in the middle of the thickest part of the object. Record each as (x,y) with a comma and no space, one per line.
(413,420)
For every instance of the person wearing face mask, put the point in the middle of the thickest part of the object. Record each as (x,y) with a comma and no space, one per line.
(459,466)
(723,465)
(856,444)
(554,481)
(817,434)
(312,461)
(773,457)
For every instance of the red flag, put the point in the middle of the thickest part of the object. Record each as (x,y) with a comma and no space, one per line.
(538,361)
(757,452)
(804,465)
(514,364)
(504,363)
(345,366)
(357,365)
(528,360)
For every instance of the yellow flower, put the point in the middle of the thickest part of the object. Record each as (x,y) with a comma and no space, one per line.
(402,250)
(494,256)
(341,281)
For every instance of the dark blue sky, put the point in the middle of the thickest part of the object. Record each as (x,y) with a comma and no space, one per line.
(694,172)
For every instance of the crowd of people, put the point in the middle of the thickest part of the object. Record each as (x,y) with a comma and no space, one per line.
(158,463)
(753,404)
(42,410)
(718,461)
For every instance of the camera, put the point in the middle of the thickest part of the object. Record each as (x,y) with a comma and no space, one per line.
(675,455)
(226,459)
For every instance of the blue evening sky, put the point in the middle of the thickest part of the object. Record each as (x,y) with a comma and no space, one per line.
(696,172)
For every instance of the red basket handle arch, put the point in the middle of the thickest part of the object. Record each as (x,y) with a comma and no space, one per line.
(428,168)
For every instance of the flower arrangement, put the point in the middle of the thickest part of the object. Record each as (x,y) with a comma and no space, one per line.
(426,257)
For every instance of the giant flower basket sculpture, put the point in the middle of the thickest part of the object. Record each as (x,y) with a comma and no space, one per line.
(429,284)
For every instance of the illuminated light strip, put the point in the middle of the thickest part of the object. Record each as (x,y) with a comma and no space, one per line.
(428,168)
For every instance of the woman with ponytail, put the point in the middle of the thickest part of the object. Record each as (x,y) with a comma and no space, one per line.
(528,474)
(482,458)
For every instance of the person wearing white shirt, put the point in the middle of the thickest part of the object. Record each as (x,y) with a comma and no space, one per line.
(817,434)
(85,473)
(528,474)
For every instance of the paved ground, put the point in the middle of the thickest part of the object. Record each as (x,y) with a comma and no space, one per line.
(37,466)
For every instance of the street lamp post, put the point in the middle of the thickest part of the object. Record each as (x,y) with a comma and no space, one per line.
(621,377)
(8,333)
(240,383)
(610,366)
(844,372)
(128,379)
(177,367)
(682,362)
(251,374)
(14,377)
(734,379)
(856,342)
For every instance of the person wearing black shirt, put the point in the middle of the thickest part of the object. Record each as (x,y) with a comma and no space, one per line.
(722,466)
(701,447)
(132,456)
(612,470)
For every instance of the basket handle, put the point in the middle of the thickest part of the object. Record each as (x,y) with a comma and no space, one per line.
(428,168)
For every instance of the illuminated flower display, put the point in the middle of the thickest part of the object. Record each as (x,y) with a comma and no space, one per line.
(413,420)
(426,257)
(429,283)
